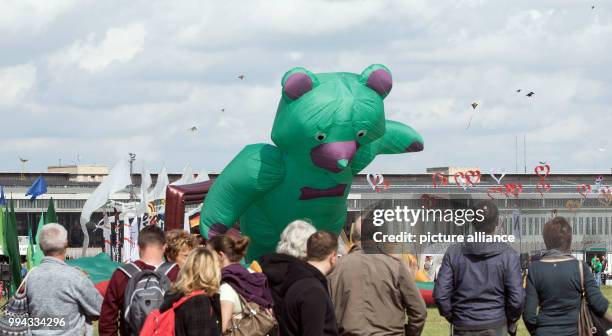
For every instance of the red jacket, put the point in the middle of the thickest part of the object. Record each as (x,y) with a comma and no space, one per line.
(111,316)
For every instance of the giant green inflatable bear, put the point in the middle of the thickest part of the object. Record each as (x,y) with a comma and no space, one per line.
(328,128)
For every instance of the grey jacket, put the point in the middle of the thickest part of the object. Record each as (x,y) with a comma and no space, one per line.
(56,290)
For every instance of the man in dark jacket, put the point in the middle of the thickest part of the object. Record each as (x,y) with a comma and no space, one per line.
(478,289)
(308,310)
(291,249)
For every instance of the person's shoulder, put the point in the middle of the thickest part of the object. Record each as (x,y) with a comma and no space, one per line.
(226,287)
(305,289)
(354,257)
(228,293)
(508,251)
(307,285)
(173,272)
(455,248)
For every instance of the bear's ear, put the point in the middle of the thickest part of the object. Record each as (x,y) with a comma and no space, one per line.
(297,81)
(378,78)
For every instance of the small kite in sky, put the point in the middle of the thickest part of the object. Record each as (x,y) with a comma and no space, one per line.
(223,110)
(531,93)
(241,77)
(518,90)
(593,7)
(474,105)
(193,129)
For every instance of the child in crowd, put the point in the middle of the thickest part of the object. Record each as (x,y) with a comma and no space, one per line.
(179,244)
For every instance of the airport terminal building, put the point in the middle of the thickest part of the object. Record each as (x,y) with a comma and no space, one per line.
(523,211)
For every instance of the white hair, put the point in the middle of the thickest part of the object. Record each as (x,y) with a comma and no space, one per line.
(294,238)
(53,238)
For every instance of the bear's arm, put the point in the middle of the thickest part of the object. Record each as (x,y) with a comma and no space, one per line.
(257,169)
(398,138)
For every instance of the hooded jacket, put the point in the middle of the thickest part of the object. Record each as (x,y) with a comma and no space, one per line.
(275,267)
(307,307)
(479,286)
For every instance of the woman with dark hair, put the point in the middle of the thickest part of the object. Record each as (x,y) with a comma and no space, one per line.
(237,282)
(554,285)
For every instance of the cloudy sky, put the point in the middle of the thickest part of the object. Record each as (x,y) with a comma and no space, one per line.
(94,80)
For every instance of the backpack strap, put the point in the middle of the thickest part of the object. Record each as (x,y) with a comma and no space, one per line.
(165,268)
(187,297)
(130,269)
(581,272)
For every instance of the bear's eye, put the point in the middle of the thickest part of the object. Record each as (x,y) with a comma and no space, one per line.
(321,136)
(362,133)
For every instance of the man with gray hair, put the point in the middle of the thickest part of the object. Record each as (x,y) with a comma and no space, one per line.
(63,298)
(291,249)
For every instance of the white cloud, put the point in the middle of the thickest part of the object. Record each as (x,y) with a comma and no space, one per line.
(30,15)
(118,45)
(16,82)
(105,78)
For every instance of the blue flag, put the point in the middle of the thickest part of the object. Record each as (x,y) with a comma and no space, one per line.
(2,199)
(38,188)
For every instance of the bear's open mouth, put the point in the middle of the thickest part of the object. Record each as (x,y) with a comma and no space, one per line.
(310,193)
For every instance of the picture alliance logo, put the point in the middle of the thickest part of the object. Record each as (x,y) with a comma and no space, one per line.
(412,216)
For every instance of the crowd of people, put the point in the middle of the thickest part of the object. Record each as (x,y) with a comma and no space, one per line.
(479,288)
(305,289)
(295,291)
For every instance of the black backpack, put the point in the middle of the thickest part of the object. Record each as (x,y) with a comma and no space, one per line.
(144,293)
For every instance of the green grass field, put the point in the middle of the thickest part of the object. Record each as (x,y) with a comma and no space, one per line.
(437,325)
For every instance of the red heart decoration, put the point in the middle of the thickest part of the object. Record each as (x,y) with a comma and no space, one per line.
(437,176)
(543,187)
(428,201)
(513,189)
(494,190)
(584,189)
(463,179)
(472,174)
(541,168)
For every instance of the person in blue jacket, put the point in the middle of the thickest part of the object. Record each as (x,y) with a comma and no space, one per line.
(553,286)
(478,289)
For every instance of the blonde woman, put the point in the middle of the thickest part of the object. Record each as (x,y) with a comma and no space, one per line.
(199,315)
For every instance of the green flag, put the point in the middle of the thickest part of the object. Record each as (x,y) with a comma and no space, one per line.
(2,241)
(12,248)
(30,252)
(37,254)
(50,216)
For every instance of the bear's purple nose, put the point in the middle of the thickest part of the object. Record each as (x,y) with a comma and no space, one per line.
(334,156)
